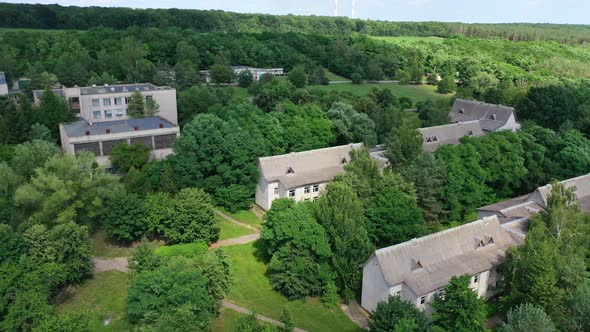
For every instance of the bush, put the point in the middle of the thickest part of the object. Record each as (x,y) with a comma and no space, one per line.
(356,78)
(126,220)
(298,77)
(125,156)
(392,313)
(245,79)
(184,250)
(192,218)
(527,317)
(446,85)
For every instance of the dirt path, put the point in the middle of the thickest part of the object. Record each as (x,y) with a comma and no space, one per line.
(110,264)
(235,307)
(232,220)
(356,314)
(236,240)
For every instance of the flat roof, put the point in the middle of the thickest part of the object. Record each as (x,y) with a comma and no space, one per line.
(120,88)
(79,128)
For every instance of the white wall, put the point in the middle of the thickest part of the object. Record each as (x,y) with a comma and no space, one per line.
(3,89)
(265,192)
(374,289)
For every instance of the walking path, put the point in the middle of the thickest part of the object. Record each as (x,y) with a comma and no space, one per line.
(235,307)
(236,240)
(110,264)
(232,220)
(356,314)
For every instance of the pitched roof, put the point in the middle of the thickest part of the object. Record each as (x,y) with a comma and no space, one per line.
(2,78)
(449,134)
(445,254)
(313,166)
(492,116)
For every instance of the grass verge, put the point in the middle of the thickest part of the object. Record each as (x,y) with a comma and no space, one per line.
(102,247)
(100,298)
(246,216)
(253,290)
(414,92)
(230,230)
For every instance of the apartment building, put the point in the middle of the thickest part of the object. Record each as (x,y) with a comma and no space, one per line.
(105,120)
(301,175)
(257,73)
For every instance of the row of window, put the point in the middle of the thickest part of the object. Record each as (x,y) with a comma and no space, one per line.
(306,190)
(108,114)
(115,101)
(440,292)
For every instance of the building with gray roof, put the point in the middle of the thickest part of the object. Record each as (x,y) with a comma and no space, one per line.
(105,120)
(300,175)
(418,269)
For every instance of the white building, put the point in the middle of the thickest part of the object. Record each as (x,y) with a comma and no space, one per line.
(301,175)
(105,120)
(3,84)
(257,73)
(416,270)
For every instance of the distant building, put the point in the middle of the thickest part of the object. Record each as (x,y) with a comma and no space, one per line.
(418,269)
(301,175)
(257,73)
(105,120)
(3,84)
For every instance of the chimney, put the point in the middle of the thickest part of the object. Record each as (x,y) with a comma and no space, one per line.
(108,131)
(87,132)
(136,128)
(161,125)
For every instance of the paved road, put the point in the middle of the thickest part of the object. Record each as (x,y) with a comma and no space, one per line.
(235,307)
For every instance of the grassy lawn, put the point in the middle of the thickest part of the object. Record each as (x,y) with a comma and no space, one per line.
(245,216)
(410,40)
(414,92)
(333,77)
(227,321)
(100,298)
(102,247)
(253,290)
(230,230)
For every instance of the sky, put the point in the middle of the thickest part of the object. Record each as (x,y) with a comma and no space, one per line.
(468,11)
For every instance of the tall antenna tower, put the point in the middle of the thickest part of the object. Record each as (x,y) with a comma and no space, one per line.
(335,8)
(352,14)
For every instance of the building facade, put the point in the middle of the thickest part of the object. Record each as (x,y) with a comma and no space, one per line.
(257,73)
(300,176)
(419,269)
(3,84)
(105,120)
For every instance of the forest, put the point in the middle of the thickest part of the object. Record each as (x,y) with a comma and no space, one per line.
(166,213)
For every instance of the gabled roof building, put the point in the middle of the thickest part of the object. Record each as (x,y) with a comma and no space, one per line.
(3,84)
(418,269)
(300,175)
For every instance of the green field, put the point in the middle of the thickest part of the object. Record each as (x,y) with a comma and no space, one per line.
(230,230)
(414,92)
(333,77)
(253,290)
(103,248)
(410,40)
(100,298)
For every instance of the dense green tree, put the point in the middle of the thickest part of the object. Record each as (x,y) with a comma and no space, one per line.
(460,309)
(341,213)
(299,250)
(446,84)
(32,155)
(577,307)
(54,110)
(102,79)
(527,317)
(356,78)
(298,77)
(40,132)
(374,71)
(245,79)
(351,126)
(186,74)
(64,323)
(434,113)
(11,244)
(404,144)
(177,286)
(124,156)
(389,315)
(192,218)
(133,60)
(126,218)
(221,73)
(394,217)
(136,105)
(271,94)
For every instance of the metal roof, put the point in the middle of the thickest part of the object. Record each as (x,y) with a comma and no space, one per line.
(79,128)
(121,88)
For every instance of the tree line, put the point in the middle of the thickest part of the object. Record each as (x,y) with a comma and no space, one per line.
(83,18)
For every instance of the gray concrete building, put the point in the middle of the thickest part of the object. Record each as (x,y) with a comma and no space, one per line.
(105,120)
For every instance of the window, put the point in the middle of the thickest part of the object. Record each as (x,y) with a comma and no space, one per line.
(291,193)
(416,264)
(462,111)
(316,188)
(276,191)
(307,199)
(119,101)
(470,132)
(493,117)
(148,98)
(127,100)
(306,190)
(491,240)
(398,293)
(95,102)
(106,102)
(108,114)
(476,279)
(480,244)
(96,115)
(441,292)
(290,170)
(344,161)
(119,113)
(423,300)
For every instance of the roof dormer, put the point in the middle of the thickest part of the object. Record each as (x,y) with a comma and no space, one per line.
(416,264)
(290,170)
